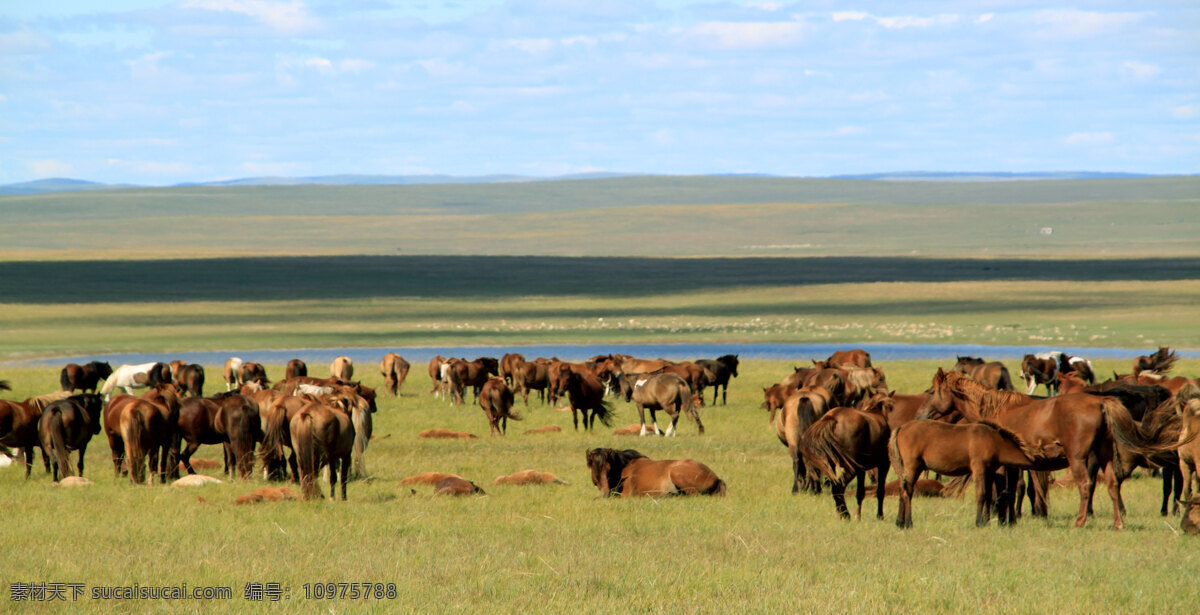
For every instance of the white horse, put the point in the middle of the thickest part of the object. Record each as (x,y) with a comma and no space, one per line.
(233,373)
(130,377)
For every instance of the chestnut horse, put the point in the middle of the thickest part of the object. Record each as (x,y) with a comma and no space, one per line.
(667,392)
(510,366)
(157,436)
(631,473)
(231,420)
(69,424)
(1159,362)
(857,358)
(253,372)
(19,429)
(395,370)
(978,449)
(472,374)
(855,441)
(586,394)
(190,378)
(1088,428)
(496,399)
(342,368)
(322,435)
(295,368)
(799,411)
(722,368)
(992,374)
(533,375)
(84,377)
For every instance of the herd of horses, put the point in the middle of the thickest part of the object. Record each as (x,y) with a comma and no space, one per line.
(837,418)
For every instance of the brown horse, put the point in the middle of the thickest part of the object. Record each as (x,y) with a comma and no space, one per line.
(630,473)
(254,372)
(1040,369)
(139,434)
(556,377)
(496,399)
(533,375)
(978,449)
(322,435)
(342,368)
(454,485)
(190,378)
(233,373)
(722,369)
(586,394)
(642,366)
(1159,362)
(855,441)
(510,365)
(295,368)
(799,411)
(395,370)
(773,398)
(991,374)
(472,374)
(1088,428)
(857,358)
(231,420)
(84,377)
(1189,445)
(159,444)
(68,425)
(435,373)
(19,430)
(665,391)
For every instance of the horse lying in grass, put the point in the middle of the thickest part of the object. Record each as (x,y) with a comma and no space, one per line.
(630,473)
(978,449)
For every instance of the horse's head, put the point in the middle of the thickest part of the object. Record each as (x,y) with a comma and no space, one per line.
(1048,450)
(627,382)
(597,462)
(941,400)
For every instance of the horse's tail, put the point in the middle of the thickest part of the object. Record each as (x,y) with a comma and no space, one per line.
(1127,435)
(64,380)
(897,460)
(689,406)
(304,444)
(57,441)
(361,419)
(247,437)
(271,451)
(1005,383)
(604,411)
(718,488)
(133,430)
(822,450)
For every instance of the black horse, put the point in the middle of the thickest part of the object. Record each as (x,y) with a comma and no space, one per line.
(724,368)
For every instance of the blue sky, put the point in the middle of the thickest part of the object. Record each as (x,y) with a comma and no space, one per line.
(153,92)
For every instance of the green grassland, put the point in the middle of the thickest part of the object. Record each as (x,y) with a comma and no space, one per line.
(645,216)
(560,548)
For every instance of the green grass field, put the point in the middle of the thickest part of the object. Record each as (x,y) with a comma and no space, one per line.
(560,548)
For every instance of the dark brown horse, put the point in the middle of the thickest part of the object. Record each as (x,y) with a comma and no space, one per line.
(556,377)
(19,429)
(1088,428)
(84,377)
(67,425)
(992,374)
(395,370)
(978,449)
(322,435)
(254,372)
(854,441)
(799,411)
(631,473)
(295,368)
(722,368)
(667,392)
(190,378)
(230,420)
(472,374)
(1159,362)
(496,399)
(534,375)
(586,394)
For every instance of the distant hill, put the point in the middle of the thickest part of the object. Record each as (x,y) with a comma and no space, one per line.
(57,184)
(986,177)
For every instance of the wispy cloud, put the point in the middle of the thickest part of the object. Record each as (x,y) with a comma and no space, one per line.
(289,17)
(1185,112)
(1070,23)
(50,168)
(900,21)
(1140,70)
(1089,138)
(750,34)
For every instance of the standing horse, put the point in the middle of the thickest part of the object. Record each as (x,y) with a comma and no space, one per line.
(435,373)
(342,368)
(230,420)
(855,441)
(631,473)
(799,411)
(19,429)
(472,374)
(991,374)
(586,394)
(84,377)
(295,368)
(233,373)
(160,443)
(1040,369)
(978,449)
(68,425)
(1088,428)
(1159,362)
(510,366)
(496,399)
(190,378)
(322,435)
(130,377)
(723,368)
(253,372)
(533,375)
(857,358)
(395,370)
(667,392)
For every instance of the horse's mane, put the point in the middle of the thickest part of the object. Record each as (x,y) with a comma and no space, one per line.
(990,403)
(1159,362)
(1015,439)
(613,461)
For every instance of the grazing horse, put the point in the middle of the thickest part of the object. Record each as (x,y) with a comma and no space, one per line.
(696,376)
(66,425)
(435,373)
(586,394)
(855,441)
(322,435)
(991,374)
(1087,426)
(253,372)
(631,473)
(295,369)
(510,365)
(163,398)
(1159,362)
(1079,366)
(190,378)
(395,370)
(496,399)
(773,398)
(342,368)
(667,392)
(533,375)
(1040,369)
(642,366)
(233,373)
(231,420)
(472,374)
(19,429)
(84,377)
(978,449)
(857,358)
(130,377)
(799,411)
(723,368)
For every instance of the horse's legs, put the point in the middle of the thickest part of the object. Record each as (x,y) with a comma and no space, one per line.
(82,450)
(1114,492)
(345,475)
(1039,495)
(983,487)
(504,426)
(151,464)
(1004,504)
(838,488)
(642,417)
(118,453)
(860,493)
(575,418)
(1083,480)
(671,431)
(28,461)
(186,457)
(1172,482)
(796,466)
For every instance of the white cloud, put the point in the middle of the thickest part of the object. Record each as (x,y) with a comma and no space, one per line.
(50,168)
(984,18)
(154,167)
(530,45)
(1185,112)
(355,66)
(146,66)
(1140,70)
(769,7)
(850,131)
(1089,138)
(850,16)
(750,34)
(1069,23)
(23,41)
(282,16)
(322,65)
(900,21)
